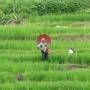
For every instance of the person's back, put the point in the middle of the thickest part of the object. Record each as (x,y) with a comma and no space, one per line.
(44,49)
(42,46)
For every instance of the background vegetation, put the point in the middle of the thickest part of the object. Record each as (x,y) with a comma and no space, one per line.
(67,22)
(17,10)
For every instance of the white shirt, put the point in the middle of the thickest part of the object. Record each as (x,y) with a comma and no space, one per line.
(42,46)
(70,51)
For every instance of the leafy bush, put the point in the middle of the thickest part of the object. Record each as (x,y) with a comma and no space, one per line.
(11,18)
(60,6)
(26,8)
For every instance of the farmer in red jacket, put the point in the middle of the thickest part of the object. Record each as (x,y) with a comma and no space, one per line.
(44,49)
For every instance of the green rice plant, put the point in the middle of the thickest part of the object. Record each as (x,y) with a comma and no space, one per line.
(44,85)
(19,55)
(62,17)
(47,76)
(32,32)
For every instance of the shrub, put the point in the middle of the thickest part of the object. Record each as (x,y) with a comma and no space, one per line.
(60,6)
(26,8)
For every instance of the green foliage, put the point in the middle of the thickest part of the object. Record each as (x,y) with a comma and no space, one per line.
(11,18)
(28,8)
(19,54)
(24,38)
(60,6)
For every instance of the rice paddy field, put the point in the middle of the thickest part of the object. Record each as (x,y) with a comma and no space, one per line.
(21,66)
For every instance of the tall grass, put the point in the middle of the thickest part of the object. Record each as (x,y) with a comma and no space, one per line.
(62,17)
(19,55)
(69,85)
(31,32)
(47,76)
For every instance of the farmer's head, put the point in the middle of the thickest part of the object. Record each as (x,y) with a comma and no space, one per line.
(43,40)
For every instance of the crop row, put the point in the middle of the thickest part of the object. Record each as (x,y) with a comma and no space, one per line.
(47,76)
(32,32)
(62,85)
